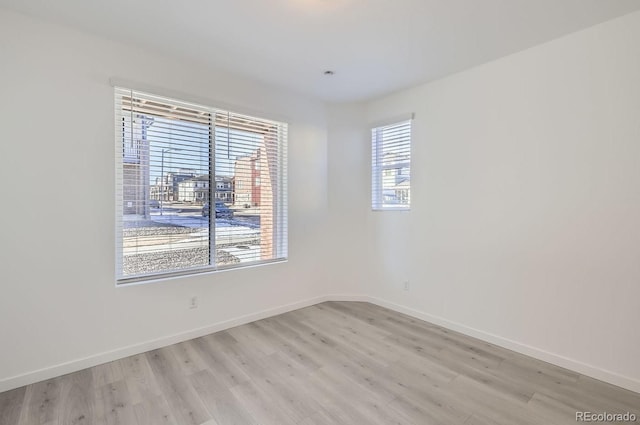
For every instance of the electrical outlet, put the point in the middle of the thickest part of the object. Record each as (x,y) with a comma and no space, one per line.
(193,302)
(406,285)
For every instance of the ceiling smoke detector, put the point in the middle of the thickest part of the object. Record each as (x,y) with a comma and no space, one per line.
(329,72)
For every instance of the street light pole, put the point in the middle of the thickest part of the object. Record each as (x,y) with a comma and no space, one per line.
(162,175)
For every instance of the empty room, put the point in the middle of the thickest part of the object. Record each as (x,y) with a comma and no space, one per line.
(319,212)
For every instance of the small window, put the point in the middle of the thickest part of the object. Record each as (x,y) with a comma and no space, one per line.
(391,166)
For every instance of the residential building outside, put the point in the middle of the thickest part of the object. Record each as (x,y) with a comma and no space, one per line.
(167,186)
(195,190)
(396,183)
(224,189)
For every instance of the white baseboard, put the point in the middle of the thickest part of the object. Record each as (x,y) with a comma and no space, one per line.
(556,359)
(97,359)
(119,353)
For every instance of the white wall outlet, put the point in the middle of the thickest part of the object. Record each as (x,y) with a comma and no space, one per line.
(193,302)
(405,285)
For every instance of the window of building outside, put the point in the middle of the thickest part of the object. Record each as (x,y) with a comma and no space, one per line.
(391,166)
(178,212)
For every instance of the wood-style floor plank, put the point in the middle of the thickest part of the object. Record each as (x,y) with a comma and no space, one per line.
(154,411)
(41,403)
(140,379)
(11,405)
(179,393)
(113,406)
(335,363)
(77,403)
(217,398)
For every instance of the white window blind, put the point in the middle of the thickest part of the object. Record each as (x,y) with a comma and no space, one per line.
(391,166)
(198,189)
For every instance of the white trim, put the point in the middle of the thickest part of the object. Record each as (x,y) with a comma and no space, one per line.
(409,116)
(119,353)
(200,101)
(390,208)
(163,277)
(556,359)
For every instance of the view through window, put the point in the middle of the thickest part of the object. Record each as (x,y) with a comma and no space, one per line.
(199,189)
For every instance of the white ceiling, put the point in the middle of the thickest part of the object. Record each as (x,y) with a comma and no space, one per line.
(374,46)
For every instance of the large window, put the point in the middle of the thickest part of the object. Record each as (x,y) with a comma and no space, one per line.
(391,166)
(198,189)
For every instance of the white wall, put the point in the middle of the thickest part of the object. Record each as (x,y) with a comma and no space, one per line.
(348,253)
(525,220)
(524,230)
(58,301)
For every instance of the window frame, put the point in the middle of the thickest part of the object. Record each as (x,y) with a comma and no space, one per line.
(279,209)
(378,168)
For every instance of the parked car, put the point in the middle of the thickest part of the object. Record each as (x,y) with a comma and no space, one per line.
(222,211)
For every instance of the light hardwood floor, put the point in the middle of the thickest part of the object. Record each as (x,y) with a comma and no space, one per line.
(332,363)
